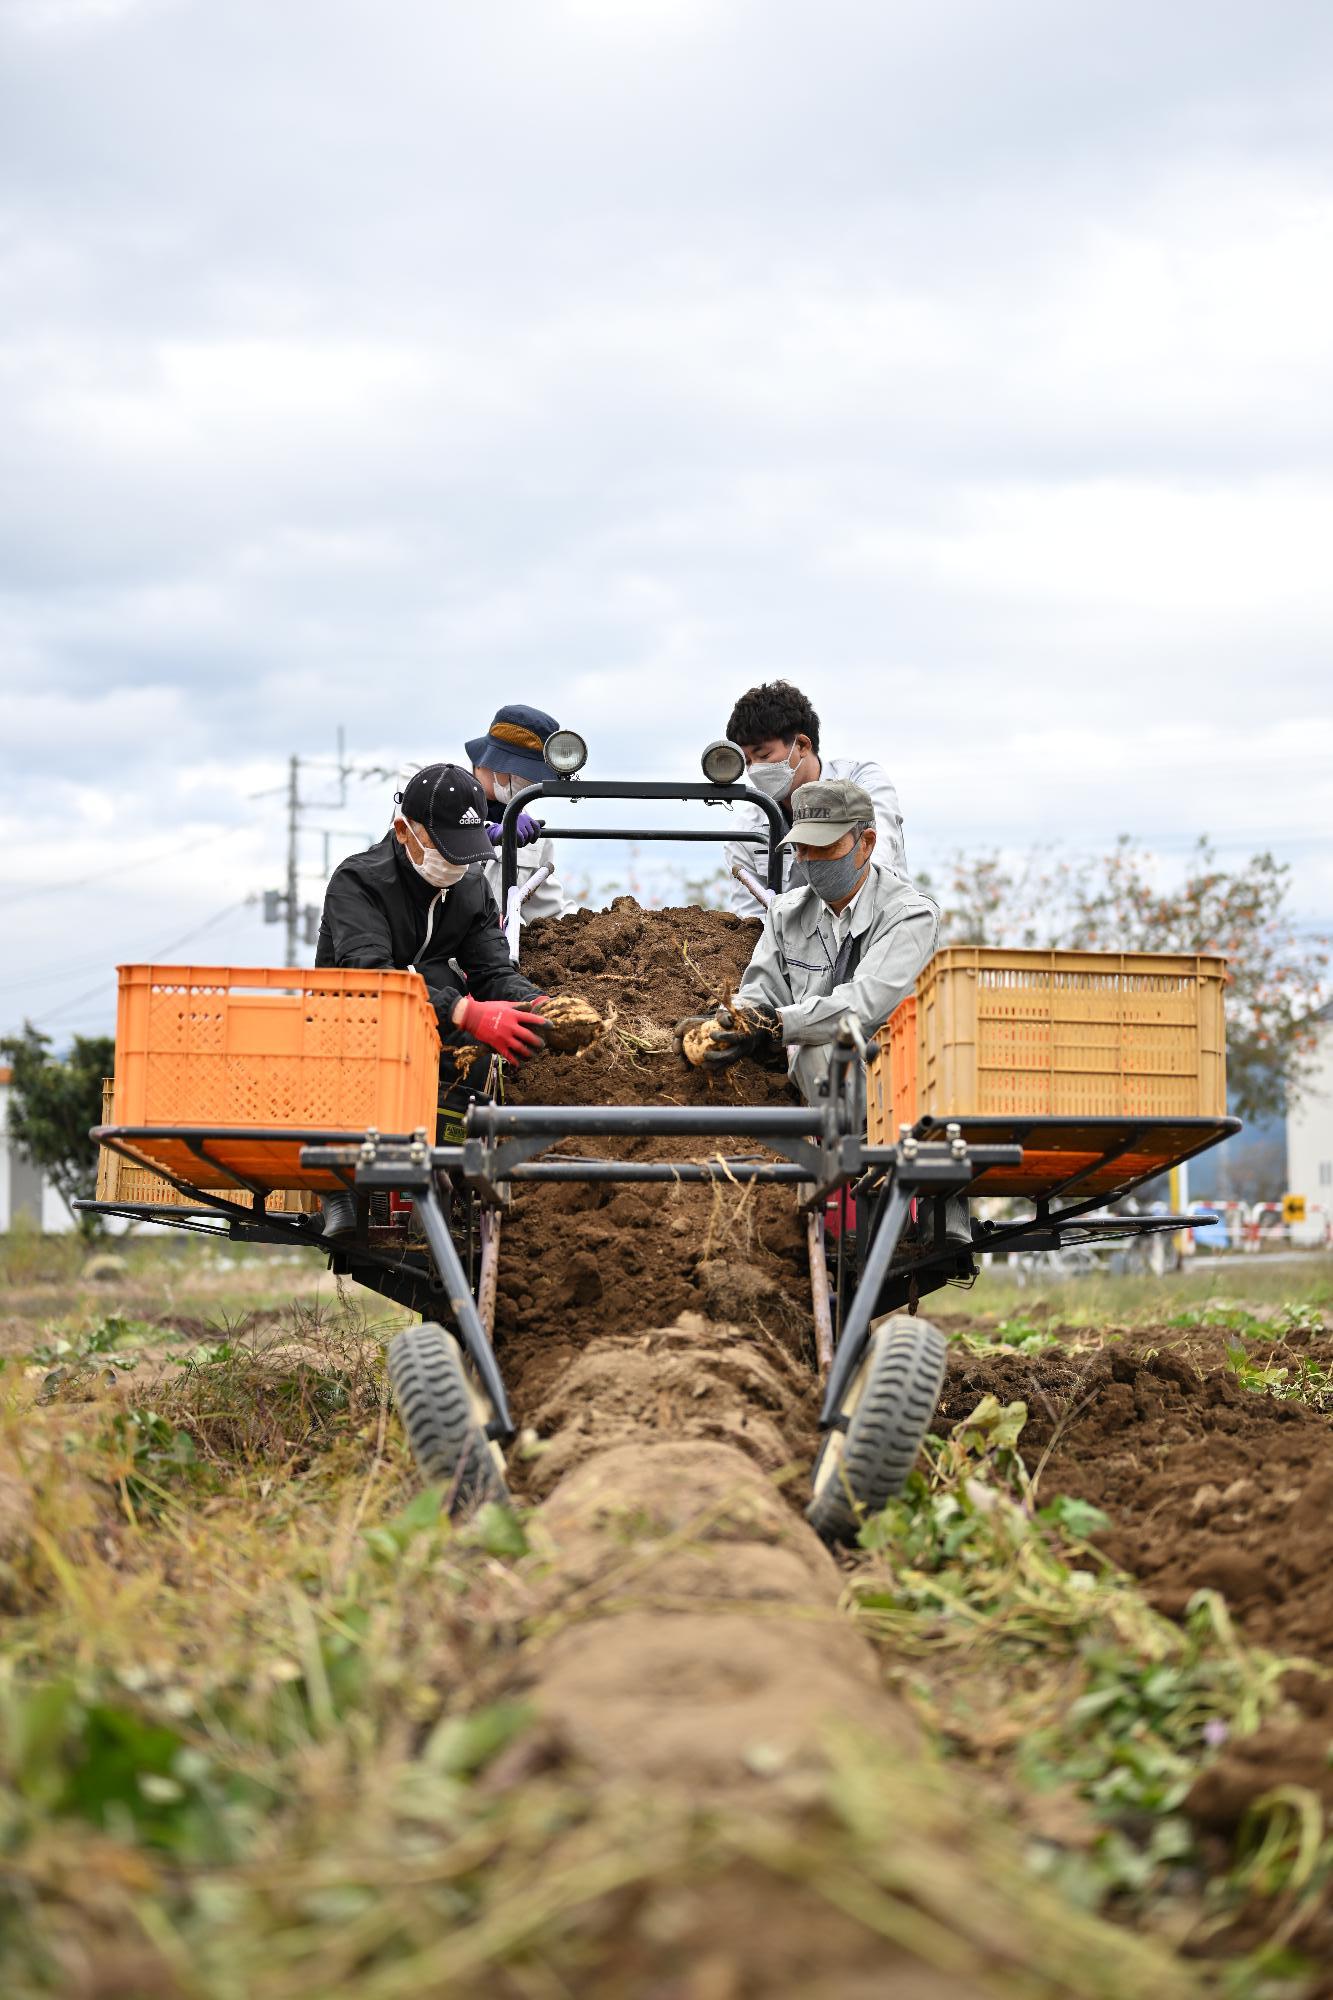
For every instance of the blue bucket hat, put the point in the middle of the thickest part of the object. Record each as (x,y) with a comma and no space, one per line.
(515,742)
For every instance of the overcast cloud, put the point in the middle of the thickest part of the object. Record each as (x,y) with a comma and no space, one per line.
(971,364)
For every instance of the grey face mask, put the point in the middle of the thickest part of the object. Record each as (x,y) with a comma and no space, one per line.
(832,881)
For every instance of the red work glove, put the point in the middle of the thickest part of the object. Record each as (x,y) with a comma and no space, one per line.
(506,1026)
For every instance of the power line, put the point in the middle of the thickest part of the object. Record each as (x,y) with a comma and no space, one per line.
(157,951)
(120,868)
(76,966)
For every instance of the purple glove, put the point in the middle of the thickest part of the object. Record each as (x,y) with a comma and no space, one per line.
(529,829)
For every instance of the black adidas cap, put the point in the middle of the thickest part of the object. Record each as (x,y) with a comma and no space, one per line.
(451,805)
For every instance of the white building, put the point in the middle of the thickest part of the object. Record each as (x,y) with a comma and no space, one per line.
(24,1190)
(1310,1124)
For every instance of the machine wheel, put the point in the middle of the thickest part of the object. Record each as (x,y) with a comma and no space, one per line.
(888,1410)
(445,1416)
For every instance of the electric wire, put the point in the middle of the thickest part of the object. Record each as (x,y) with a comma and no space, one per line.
(120,867)
(158,951)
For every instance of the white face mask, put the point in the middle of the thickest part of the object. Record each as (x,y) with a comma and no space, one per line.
(432,867)
(504,793)
(775,779)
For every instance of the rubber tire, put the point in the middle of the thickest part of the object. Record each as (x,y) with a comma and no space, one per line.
(889,1405)
(445,1415)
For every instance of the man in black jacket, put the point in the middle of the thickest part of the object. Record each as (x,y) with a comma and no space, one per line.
(413,900)
(416,900)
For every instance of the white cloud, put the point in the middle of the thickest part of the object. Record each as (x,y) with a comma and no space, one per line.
(374,368)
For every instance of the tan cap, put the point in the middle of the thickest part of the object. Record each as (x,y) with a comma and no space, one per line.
(824,810)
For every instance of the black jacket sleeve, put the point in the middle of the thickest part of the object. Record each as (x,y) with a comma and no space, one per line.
(354,929)
(484,957)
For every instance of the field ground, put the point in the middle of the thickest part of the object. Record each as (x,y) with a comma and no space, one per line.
(272,1728)
(269,1727)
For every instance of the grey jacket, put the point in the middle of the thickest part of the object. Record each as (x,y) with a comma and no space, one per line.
(794,965)
(751,847)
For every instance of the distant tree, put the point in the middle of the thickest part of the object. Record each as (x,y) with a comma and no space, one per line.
(1110,902)
(54,1102)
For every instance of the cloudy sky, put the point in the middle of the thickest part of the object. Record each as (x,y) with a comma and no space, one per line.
(970,363)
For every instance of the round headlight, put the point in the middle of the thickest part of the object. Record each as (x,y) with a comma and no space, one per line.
(565,752)
(723,763)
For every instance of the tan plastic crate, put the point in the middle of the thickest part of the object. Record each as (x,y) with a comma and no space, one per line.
(1071,1033)
(891,1086)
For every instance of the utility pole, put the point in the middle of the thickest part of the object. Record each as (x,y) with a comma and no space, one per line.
(293,834)
(301,924)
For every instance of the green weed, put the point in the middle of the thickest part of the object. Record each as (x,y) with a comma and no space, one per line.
(1301,1379)
(1017,1335)
(1104,1698)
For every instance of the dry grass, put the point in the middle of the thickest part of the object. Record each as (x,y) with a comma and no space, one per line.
(264,1728)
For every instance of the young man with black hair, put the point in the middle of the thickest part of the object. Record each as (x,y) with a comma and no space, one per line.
(777,728)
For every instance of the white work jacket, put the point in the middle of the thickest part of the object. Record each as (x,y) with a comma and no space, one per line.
(750,848)
(813,978)
(547,901)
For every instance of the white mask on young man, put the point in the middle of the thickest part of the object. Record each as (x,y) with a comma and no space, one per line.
(775,779)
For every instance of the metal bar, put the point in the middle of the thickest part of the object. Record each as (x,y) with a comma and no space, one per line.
(856,1330)
(742,1171)
(1107,1226)
(218,1203)
(463,1306)
(819,1293)
(200,1150)
(265,1135)
(634,833)
(573,791)
(638,1121)
(490,1269)
(1153,1173)
(1108,1158)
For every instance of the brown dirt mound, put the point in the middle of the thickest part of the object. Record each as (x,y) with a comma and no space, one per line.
(643,970)
(1209,1486)
(586,1271)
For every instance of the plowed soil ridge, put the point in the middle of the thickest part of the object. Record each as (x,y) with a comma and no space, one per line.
(1209,1485)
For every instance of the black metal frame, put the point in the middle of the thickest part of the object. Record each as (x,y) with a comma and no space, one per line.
(821,1150)
(575,791)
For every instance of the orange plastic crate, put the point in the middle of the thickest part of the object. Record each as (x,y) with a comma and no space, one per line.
(222,1047)
(891,1088)
(118,1179)
(1071,1034)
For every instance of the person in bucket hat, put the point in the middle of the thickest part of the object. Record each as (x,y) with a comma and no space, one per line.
(509,756)
(850,936)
